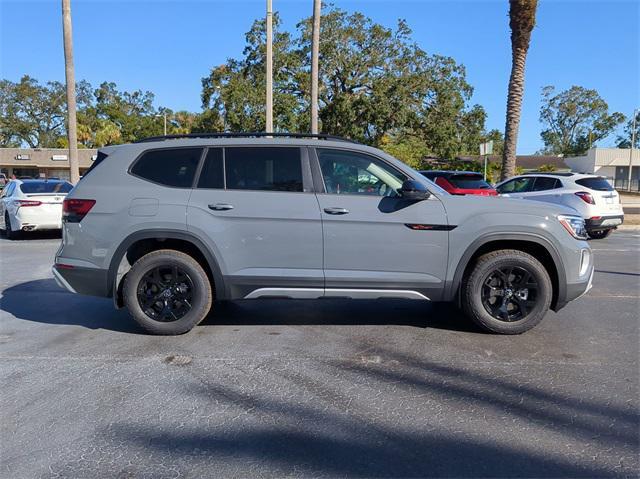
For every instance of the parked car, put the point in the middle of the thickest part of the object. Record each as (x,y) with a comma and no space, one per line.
(461,182)
(28,205)
(591,196)
(168,225)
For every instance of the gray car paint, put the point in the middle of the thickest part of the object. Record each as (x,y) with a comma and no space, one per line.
(286,240)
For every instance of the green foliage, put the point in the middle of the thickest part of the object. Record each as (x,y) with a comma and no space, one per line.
(624,140)
(409,149)
(575,119)
(376,86)
(31,113)
(547,168)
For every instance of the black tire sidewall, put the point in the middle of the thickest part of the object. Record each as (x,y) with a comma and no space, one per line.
(472,294)
(201,301)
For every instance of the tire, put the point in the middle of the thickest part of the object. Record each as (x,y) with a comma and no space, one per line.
(8,230)
(507,307)
(600,234)
(159,287)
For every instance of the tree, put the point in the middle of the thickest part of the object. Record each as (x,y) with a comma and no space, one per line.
(624,140)
(522,19)
(32,114)
(574,120)
(375,85)
(69,73)
(547,168)
(498,141)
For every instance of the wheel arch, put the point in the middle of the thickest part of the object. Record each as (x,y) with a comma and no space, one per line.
(141,242)
(536,245)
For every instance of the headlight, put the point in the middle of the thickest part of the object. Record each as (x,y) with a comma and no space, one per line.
(574,225)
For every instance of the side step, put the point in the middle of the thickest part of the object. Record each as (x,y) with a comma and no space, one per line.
(316,293)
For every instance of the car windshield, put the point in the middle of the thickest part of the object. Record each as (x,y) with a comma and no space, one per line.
(46,187)
(595,183)
(468,181)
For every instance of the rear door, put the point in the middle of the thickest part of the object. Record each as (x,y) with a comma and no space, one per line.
(256,208)
(374,239)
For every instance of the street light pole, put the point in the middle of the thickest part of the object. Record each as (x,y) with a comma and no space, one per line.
(633,140)
(70,80)
(269,65)
(315,50)
(164,114)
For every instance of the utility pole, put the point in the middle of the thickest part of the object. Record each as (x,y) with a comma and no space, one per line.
(70,78)
(315,51)
(633,140)
(164,114)
(269,106)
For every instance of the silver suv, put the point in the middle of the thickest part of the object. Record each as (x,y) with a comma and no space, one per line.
(167,225)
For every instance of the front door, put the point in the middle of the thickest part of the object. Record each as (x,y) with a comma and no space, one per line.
(255,207)
(373,238)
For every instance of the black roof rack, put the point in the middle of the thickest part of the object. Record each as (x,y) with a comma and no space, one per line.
(552,173)
(253,134)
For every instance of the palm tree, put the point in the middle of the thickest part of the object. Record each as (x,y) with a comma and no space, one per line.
(315,48)
(522,18)
(70,78)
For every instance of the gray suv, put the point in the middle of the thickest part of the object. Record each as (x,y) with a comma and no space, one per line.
(168,225)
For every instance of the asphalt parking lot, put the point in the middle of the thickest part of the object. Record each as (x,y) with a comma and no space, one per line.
(317,388)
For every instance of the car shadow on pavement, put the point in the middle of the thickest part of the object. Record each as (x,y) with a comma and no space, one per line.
(43,301)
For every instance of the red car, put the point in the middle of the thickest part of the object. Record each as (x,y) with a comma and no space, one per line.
(461,182)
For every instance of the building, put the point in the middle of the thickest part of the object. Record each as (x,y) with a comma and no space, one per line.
(612,163)
(42,162)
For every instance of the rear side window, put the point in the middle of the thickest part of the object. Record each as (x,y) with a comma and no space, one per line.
(270,169)
(171,167)
(212,174)
(469,181)
(595,183)
(45,187)
(544,183)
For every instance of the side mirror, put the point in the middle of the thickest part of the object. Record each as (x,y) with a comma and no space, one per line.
(414,190)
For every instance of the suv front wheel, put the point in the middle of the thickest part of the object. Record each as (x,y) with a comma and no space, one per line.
(167,292)
(507,292)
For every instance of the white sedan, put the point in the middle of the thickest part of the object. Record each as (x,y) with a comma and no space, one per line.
(28,205)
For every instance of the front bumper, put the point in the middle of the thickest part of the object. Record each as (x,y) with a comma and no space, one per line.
(575,291)
(604,222)
(75,279)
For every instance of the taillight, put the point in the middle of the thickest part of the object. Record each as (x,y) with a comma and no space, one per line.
(74,210)
(22,203)
(586,197)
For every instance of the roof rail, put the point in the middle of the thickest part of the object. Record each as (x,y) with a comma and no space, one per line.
(253,134)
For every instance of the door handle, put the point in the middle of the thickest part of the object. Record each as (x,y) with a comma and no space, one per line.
(336,211)
(221,207)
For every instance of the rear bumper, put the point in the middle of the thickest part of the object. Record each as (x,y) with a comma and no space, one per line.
(604,223)
(89,281)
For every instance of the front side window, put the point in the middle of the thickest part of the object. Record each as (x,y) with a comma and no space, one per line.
(352,173)
(170,167)
(263,168)
(518,185)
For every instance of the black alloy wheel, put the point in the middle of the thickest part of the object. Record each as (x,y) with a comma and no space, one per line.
(165,293)
(509,293)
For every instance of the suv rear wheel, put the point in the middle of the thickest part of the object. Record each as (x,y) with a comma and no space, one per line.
(507,292)
(167,292)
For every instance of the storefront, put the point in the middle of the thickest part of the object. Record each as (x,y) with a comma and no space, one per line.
(42,162)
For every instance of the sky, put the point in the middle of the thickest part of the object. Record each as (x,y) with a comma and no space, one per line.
(167,46)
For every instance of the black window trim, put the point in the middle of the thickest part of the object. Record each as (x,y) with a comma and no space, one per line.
(319,177)
(195,173)
(307,184)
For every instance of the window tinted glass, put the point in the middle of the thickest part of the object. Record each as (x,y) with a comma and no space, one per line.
(8,190)
(347,172)
(470,181)
(519,185)
(595,183)
(45,187)
(170,167)
(263,168)
(544,183)
(212,174)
